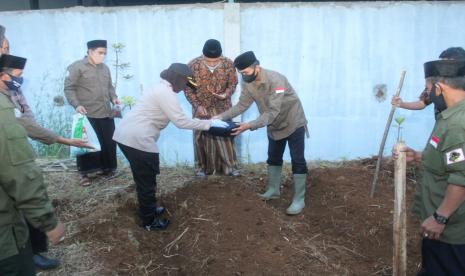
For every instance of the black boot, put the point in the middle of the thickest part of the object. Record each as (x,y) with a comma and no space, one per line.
(157,224)
(45,263)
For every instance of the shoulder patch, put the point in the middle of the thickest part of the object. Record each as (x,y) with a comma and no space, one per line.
(279,90)
(434,141)
(455,156)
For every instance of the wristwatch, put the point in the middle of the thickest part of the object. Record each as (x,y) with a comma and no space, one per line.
(440,219)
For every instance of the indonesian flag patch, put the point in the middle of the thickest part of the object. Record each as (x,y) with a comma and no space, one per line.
(434,141)
(455,156)
(279,90)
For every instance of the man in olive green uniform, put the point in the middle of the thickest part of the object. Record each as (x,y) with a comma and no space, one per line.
(88,88)
(440,196)
(25,116)
(282,113)
(23,195)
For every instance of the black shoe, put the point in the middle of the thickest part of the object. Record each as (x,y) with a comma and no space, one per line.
(159,210)
(157,224)
(45,263)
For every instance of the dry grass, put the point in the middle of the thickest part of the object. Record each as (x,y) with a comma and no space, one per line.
(77,204)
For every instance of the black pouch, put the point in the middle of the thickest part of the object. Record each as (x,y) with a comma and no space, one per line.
(224,132)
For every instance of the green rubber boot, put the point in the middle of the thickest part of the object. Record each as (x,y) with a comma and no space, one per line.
(298,201)
(274,183)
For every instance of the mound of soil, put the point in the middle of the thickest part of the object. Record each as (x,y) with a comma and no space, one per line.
(220,227)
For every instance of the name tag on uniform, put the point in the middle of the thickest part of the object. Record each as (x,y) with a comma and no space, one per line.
(434,141)
(17,113)
(455,156)
(279,90)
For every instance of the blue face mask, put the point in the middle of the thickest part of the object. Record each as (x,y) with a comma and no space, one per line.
(15,83)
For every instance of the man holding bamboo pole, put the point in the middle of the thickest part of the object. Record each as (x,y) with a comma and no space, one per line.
(440,197)
(424,98)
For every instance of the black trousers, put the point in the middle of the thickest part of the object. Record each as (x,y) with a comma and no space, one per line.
(440,258)
(39,242)
(144,166)
(20,264)
(104,128)
(296,147)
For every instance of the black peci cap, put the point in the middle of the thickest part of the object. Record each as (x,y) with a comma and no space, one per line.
(445,68)
(13,62)
(96,44)
(245,60)
(212,48)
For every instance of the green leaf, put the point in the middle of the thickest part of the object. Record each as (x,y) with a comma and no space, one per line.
(128,100)
(400,120)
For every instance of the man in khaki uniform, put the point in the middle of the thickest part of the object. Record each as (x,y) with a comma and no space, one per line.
(282,113)
(88,88)
(23,111)
(23,195)
(440,196)
(4,44)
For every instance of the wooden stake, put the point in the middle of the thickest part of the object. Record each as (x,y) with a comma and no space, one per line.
(386,131)
(399,265)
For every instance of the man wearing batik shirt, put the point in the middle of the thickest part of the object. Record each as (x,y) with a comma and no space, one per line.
(217,80)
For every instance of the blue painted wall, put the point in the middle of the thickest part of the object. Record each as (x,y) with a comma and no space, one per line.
(334,54)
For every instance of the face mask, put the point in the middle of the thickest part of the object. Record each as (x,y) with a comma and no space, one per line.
(439,103)
(251,77)
(15,83)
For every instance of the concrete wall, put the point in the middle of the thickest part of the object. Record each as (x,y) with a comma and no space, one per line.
(334,54)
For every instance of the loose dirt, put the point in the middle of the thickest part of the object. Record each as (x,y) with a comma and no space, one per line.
(220,227)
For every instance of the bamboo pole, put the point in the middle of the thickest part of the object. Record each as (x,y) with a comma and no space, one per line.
(386,131)
(399,264)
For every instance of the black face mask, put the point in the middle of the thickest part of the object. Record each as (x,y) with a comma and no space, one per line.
(251,77)
(438,101)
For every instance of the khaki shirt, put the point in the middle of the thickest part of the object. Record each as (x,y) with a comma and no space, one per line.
(443,164)
(90,86)
(22,190)
(26,118)
(279,106)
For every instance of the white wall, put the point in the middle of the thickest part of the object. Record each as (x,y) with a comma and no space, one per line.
(332,53)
